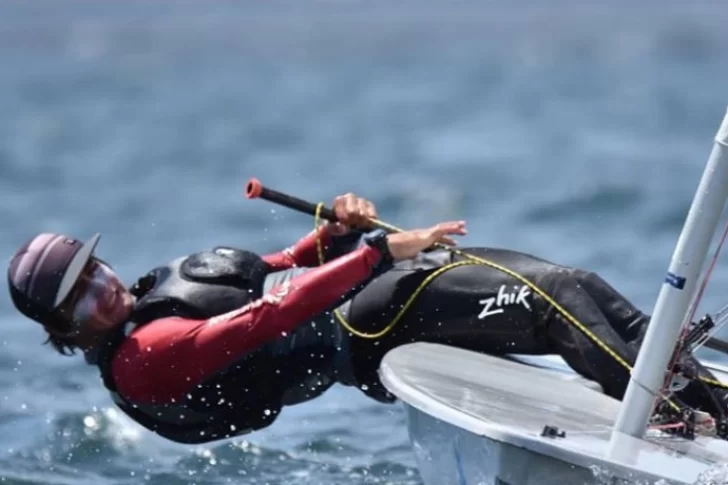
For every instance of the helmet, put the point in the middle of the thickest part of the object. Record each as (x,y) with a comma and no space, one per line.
(43,272)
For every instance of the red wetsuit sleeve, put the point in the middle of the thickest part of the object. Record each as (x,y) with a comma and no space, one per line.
(162,361)
(304,253)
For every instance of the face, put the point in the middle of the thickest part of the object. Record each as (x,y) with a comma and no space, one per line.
(99,300)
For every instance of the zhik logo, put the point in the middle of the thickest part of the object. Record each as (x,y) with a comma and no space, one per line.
(495,304)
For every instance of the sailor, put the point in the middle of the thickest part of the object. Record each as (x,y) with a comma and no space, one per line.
(217,343)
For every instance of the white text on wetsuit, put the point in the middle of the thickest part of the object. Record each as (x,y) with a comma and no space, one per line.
(494,305)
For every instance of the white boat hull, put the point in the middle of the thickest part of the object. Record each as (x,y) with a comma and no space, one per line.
(450,455)
(477,419)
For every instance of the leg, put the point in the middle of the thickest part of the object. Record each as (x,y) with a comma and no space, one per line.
(578,350)
(628,321)
(631,324)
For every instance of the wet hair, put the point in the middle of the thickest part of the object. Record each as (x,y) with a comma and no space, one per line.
(64,345)
(63,340)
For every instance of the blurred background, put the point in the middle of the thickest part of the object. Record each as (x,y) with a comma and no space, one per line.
(576,131)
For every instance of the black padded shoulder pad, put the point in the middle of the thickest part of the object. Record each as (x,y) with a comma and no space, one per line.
(225,266)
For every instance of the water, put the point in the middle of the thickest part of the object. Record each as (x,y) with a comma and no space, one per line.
(575,132)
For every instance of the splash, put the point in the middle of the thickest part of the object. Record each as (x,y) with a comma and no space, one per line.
(716,475)
(604,477)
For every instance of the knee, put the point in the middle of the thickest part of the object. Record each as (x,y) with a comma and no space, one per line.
(569,286)
(587,278)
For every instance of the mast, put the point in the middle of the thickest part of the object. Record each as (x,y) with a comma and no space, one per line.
(675,295)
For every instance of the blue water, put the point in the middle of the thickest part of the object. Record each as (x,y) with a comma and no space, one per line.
(573,131)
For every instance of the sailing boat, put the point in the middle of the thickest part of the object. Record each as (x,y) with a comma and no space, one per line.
(474,418)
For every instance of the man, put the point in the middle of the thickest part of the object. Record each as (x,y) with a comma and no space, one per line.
(215,344)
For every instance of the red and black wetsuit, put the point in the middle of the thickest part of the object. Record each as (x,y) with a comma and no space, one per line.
(222,340)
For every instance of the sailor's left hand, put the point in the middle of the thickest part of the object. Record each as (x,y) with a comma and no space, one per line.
(408,244)
(352,212)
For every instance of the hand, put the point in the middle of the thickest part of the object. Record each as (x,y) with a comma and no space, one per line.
(406,245)
(352,212)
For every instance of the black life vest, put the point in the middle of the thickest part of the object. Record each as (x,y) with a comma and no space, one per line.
(248,395)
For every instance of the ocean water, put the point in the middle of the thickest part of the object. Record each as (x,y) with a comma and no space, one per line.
(575,131)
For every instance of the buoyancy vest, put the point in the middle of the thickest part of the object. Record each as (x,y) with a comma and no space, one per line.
(247,395)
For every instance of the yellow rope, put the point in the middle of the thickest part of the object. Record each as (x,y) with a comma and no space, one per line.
(475,260)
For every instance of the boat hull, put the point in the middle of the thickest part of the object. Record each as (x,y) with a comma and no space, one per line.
(479,419)
(449,455)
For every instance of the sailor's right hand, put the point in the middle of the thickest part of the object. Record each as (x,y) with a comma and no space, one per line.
(408,244)
(351,211)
